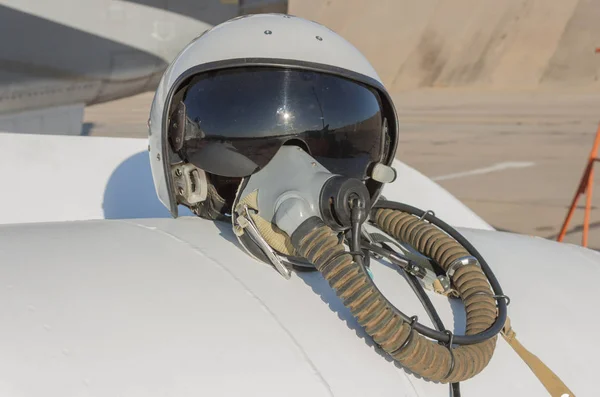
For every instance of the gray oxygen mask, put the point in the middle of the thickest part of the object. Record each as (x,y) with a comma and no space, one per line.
(291,190)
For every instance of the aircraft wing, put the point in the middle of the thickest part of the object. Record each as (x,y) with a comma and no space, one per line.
(60,56)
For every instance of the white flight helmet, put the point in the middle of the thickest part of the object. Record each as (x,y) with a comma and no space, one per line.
(238,69)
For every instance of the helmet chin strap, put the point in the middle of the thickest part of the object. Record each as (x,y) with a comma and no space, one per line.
(259,237)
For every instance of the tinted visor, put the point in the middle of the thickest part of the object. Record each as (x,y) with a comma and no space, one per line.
(236,120)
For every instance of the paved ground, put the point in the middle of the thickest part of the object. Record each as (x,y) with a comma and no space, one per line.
(514,158)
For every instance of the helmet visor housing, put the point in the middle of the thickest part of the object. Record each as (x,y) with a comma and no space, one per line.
(232,122)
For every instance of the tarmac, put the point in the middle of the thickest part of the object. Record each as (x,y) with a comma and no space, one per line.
(514,158)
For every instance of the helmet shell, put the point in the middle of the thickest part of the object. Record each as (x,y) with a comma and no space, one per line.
(256,40)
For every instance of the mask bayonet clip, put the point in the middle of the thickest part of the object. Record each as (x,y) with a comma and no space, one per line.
(245,221)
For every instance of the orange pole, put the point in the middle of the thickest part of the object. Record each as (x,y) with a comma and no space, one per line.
(590,186)
(594,152)
(580,190)
(588,208)
(584,185)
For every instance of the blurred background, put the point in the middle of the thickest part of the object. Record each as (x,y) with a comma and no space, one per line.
(499,101)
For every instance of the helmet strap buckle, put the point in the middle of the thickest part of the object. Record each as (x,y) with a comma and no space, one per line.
(245,222)
(191,184)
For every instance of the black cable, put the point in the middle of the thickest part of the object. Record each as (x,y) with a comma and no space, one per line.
(414,284)
(396,259)
(355,243)
(502,310)
(425,301)
(357,215)
(455,389)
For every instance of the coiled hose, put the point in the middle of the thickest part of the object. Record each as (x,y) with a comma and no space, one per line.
(387,326)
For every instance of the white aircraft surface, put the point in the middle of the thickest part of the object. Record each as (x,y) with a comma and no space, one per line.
(103,295)
(58,56)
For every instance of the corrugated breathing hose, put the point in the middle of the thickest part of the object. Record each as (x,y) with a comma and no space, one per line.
(390,328)
(502,302)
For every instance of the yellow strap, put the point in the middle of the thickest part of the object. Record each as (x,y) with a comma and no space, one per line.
(549,379)
(274,236)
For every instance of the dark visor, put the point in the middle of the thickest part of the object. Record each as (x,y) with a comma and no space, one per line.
(233,122)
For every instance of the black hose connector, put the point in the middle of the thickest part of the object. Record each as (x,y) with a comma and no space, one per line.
(305,229)
(337,196)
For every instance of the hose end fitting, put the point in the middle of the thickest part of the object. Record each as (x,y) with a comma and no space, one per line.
(337,196)
(305,229)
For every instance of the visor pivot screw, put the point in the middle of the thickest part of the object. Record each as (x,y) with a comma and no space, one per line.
(267,32)
(319,38)
(178,172)
(158,157)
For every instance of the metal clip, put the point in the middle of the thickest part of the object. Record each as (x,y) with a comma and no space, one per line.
(409,337)
(430,212)
(247,223)
(462,261)
(496,297)
(445,284)
(449,346)
(506,298)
